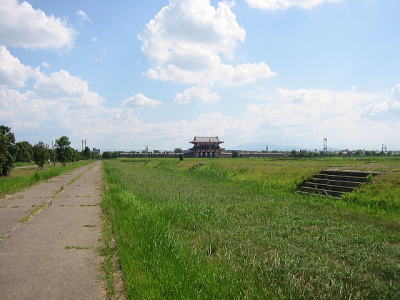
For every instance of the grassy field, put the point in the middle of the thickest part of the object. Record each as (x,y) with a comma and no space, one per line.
(235,229)
(29,175)
(23,164)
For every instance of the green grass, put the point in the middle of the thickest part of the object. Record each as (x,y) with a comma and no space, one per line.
(110,258)
(287,174)
(35,210)
(31,177)
(79,247)
(24,164)
(217,231)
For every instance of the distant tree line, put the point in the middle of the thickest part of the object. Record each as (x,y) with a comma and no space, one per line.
(143,153)
(40,153)
(341,153)
(109,154)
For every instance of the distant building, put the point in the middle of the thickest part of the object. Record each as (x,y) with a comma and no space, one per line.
(205,146)
(96,151)
(226,154)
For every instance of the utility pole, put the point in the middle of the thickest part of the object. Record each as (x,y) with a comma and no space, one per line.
(266,148)
(325,144)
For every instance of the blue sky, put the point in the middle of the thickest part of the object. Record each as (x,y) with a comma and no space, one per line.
(127,74)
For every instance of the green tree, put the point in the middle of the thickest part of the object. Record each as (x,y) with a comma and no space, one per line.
(40,154)
(106,155)
(178,150)
(75,155)
(24,151)
(7,150)
(115,154)
(52,155)
(63,150)
(86,154)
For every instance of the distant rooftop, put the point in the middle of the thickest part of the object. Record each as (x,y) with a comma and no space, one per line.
(206,139)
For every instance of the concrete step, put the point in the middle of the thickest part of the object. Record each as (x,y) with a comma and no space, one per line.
(334,182)
(341,177)
(345,173)
(311,190)
(353,184)
(328,187)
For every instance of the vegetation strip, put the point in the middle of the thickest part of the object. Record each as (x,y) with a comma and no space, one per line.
(14,184)
(36,209)
(199,234)
(110,264)
(80,247)
(73,180)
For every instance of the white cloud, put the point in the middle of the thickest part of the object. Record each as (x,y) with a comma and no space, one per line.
(94,39)
(62,85)
(23,26)
(45,65)
(188,41)
(305,106)
(140,100)
(197,93)
(305,116)
(395,91)
(60,103)
(284,117)
(285,4)
(81,14)
(389,108)
(12,72)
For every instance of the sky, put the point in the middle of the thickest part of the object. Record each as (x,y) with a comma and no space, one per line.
(129,74)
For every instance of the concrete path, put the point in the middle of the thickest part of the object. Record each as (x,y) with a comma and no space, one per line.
(49,236)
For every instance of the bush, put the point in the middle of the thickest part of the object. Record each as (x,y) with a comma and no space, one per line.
(7,150)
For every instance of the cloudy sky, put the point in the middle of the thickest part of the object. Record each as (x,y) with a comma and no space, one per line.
(131,74)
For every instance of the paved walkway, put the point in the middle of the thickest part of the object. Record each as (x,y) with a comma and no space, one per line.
(52,254)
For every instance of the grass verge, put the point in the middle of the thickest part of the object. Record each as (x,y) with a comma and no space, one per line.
(35,210)
(185,235)
(14,184)
(110,266)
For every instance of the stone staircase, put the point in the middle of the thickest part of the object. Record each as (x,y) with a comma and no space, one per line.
(334,183)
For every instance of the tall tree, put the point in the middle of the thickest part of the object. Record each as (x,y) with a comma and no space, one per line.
(63,150)
(40,154)
(24,151)
(74,155)
(86,154)
(52,155)
(7,150)
(178,150)
(106,155)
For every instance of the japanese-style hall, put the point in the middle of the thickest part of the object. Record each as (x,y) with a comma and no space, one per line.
(204,146)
